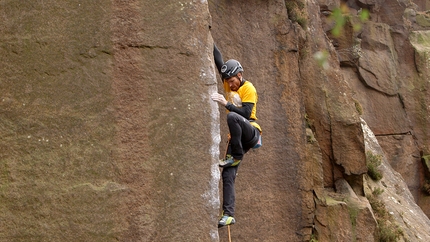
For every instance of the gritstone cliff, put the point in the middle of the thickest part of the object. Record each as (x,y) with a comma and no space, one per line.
(109,134)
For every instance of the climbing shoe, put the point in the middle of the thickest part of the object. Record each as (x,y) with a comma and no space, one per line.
(226,220)
(229,161)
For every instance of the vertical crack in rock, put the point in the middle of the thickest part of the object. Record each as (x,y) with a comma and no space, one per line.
(212,195)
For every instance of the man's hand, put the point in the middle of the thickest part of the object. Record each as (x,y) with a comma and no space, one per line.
(219,98)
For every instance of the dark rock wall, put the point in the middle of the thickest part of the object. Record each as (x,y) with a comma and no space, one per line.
(269,190)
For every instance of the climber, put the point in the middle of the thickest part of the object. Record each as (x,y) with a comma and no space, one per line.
(241,103)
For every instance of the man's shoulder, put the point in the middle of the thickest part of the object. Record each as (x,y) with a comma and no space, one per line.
(248,82)
(247,92)
(247,85)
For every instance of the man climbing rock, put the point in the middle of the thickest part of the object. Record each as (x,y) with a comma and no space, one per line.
(241,102)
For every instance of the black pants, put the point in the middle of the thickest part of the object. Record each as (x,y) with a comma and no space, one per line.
(244,136)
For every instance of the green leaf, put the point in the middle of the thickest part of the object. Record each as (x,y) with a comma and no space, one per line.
(364,15)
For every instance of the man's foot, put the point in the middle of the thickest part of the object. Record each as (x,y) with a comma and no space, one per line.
(226,220)
(229,161)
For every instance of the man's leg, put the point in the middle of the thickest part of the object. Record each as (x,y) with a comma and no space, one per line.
(229,195)
(240,130)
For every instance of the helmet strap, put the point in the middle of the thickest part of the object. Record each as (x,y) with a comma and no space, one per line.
(242,81)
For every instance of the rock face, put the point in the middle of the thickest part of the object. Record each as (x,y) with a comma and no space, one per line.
(107,129)
(109,134)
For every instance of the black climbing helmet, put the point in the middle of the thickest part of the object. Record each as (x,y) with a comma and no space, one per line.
(231,68)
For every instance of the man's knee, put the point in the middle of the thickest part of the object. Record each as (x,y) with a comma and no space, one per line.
(232,116)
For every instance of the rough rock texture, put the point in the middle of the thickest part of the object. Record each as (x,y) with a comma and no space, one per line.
(99,103)
(269,179)
(109,134)
(396,196)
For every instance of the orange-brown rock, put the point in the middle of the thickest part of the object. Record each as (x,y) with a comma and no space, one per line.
(109,134)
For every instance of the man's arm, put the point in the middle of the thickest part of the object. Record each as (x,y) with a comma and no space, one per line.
(218,58)
(244,111)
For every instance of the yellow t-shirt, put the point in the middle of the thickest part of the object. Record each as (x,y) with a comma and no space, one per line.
(245,94)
